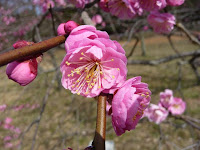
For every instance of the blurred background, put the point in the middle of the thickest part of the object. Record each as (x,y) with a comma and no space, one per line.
(45,116)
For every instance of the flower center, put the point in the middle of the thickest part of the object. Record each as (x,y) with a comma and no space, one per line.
(88,74)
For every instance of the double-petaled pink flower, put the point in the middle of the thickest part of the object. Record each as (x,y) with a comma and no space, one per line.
(93,62)
(161,22)
(124,9)
(152,5)
(23,71)
(128,105)
(156,113)
(177,106)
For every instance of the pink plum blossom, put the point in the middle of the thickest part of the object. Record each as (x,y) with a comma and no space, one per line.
(128,104)
(93,62)
(177,106)
(166,98)
(25,70)
(124,9)
(103,4)
(175,2)
(156,113)
(152,5)
(97,19)
(66,28)
(161,22)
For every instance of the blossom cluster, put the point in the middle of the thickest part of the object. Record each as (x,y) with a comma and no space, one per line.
(95,64)
(7,18)
(167,104)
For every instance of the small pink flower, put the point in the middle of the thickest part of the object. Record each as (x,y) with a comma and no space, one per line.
(66,28)
(124,9)
(17,130)
(156,113)
(103,24)
(7,138)
(161,23)
(3,107)
(25,70)
(175,2)
(177,106)
(93,63)
(8,120)
(152,5)
(128,105)
(78,3)
(97,19)
(166,98)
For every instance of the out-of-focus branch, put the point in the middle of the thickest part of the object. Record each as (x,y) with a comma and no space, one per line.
(53,21)
(164,59)
(192,122)
(100,133)
(189,35)
(133,48)
(31,50)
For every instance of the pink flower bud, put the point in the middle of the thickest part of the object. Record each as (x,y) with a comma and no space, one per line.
(61,30)
(22,72)
(20,44)
(66,28)
(69,26)
(25,70)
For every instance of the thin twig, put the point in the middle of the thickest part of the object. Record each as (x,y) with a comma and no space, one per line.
(164,59)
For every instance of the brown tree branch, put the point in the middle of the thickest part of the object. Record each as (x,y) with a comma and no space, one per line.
(100,133)
(31,50)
